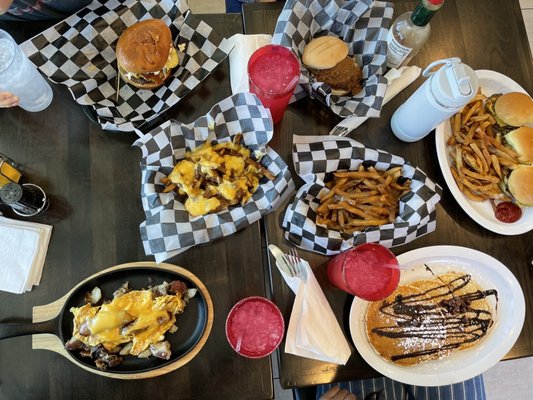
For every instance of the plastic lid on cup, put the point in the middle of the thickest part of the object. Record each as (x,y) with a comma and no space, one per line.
(454,84)
(254,327)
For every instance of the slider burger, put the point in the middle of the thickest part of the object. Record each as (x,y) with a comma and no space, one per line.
(510,110)
(521,141)
(327,59)
(520,184)
(145,54)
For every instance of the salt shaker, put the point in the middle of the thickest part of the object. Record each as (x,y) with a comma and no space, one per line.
(443,94)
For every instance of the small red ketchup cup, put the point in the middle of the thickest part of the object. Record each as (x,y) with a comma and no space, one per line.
(254,327)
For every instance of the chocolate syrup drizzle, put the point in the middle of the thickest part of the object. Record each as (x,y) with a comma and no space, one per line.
(438,314)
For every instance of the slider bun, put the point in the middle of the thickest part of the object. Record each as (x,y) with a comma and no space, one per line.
(515,109)
(324,52)
(144,47)
(521,140)
(520,184)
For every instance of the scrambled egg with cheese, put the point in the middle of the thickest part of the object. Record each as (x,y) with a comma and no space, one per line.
(216,176)
(136,317)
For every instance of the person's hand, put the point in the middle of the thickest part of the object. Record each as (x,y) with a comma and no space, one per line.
(336,393)
(8,100)
(4,5)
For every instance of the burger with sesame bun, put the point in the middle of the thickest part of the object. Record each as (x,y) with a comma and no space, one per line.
(327,59)
(145,54)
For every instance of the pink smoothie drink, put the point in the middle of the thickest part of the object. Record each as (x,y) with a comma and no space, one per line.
(254,327)
(273,73)
(366,271)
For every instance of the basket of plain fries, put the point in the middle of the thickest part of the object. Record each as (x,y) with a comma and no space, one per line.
(208,179)
(353,195)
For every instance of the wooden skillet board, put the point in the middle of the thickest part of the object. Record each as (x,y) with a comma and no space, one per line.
(47,341)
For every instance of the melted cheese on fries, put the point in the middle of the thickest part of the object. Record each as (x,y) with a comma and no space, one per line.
(216,176)
(136,316)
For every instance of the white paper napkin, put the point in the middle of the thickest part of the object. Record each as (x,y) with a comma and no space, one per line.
(23,247)
(244,46)
(314,331)
(398,80)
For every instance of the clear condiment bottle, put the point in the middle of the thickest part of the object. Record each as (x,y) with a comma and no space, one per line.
(409,32)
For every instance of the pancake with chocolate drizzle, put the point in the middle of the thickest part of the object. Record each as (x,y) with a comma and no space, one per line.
(429,319)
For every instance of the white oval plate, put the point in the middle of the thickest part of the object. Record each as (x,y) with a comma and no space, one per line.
(488,273)
(490,82)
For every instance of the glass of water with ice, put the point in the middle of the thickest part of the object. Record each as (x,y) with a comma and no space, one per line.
(19,76)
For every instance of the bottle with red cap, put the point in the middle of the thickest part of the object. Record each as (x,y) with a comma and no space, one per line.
(409,32)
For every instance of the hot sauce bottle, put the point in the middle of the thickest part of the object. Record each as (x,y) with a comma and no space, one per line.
(409,32)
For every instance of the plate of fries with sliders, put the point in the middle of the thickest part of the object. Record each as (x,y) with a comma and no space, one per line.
(455,313)
(486,155)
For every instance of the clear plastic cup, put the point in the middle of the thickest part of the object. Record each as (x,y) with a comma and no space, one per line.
(254,327)
(19,76)
(366,271)
(273,73)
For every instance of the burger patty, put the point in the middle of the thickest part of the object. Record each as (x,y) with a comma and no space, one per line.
(146,78)
(345,75)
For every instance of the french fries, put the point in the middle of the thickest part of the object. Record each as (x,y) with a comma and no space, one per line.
(362,198)
(479,159)
(215,176)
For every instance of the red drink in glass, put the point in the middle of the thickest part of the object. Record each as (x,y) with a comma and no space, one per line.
(254,327)
(366,271)
(273,73)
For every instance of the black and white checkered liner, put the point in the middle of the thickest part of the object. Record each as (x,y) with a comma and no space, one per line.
(363,24)
(79,52)
(169,229)
(315,158)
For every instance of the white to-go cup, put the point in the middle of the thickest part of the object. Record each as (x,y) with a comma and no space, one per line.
(19,76)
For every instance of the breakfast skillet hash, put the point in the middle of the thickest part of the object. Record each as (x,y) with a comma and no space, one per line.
(134,322)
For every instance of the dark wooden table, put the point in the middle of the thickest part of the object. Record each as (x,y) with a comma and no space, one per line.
(93,179)
(485,34)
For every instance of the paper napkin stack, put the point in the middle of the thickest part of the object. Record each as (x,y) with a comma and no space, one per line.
(243,47)
(23,247)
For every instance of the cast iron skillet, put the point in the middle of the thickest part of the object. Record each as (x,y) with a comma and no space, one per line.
(55,320)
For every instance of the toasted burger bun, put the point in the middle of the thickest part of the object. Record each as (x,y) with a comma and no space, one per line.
(521,140)
(324,52)
(144,52)
(327,57)
(520,184)
(514,109)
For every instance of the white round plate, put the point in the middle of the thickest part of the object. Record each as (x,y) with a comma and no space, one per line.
(488,273)
(481,211)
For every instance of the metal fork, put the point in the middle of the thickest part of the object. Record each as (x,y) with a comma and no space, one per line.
(339,131)
(347,125)
(295,263)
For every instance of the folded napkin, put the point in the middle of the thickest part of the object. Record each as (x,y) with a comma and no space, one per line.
(397,80)
(243,48)
(314,331)
(23,247)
